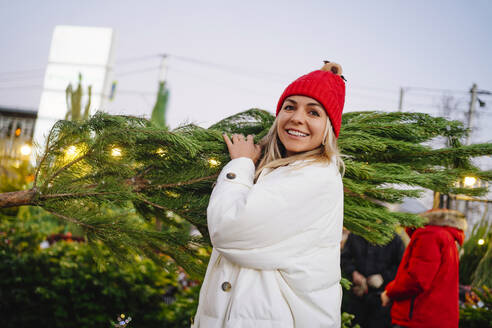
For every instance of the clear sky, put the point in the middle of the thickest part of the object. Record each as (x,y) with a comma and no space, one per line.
(253,49)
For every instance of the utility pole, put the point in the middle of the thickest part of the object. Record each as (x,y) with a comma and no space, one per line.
(473,92)
(163,68)
(159,111)
(400,105)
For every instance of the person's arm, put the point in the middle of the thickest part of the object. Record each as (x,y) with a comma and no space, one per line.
(267,224)
(422,267)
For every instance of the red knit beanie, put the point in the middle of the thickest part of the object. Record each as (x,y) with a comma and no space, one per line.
(325,86)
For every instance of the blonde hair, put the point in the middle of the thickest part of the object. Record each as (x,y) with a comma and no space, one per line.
(274,151)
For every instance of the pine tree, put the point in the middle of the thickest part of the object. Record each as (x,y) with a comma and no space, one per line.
(101,172)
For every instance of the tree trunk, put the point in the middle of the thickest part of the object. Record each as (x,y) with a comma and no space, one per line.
(17,198)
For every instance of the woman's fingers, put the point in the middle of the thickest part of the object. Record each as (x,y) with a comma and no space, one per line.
(237,137)
(227,141)
(240,146)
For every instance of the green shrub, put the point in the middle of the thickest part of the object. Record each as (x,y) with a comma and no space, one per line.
(473,252)
(64,286)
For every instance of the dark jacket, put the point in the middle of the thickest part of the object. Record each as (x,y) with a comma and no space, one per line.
(368,259)
(425,290)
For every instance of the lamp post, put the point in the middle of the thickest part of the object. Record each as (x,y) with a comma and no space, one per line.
(470,182)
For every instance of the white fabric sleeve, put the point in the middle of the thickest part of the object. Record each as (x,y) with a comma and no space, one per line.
(286,213)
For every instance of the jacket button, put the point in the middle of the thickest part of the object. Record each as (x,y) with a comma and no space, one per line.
(231,175)
(226,286)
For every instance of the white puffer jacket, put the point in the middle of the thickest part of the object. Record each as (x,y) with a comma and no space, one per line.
(276,256)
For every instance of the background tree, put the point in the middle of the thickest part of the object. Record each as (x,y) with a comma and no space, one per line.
(473,253)
(62,285)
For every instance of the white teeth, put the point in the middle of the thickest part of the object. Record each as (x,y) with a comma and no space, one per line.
(296,133)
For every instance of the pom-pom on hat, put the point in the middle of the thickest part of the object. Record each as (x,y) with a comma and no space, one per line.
(326,86)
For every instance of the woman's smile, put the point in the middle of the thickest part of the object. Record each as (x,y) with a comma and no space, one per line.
(296,133)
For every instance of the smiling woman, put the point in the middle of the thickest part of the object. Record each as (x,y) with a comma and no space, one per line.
(276,227)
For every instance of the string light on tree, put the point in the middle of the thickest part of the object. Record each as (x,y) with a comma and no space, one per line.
(72,150)
(116,152)
(212,162)
(481,242)
(71,153)
(171,194)
(161,152)
(25,150)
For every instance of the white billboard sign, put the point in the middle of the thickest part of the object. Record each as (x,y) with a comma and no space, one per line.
(75,50)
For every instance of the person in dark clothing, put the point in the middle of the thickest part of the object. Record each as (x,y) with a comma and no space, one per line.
(370,268)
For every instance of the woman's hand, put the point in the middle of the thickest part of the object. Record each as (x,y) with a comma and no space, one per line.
(242,147)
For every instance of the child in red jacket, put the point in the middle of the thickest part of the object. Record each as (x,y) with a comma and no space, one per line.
(425,289)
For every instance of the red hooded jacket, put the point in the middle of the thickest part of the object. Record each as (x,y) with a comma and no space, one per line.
(425,289)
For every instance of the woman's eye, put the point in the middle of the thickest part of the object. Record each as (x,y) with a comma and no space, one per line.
(288,107)
(314,112)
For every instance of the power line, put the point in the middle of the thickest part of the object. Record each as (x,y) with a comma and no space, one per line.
(22,71)
(20,78)
(137,71)
(130,92)
(435,90)
(229,85)
(245,71)
(370,88)
(136,59)
(229,68)
(20,87)
(374,96)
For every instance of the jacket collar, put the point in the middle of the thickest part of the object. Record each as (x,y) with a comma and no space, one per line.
(446,218)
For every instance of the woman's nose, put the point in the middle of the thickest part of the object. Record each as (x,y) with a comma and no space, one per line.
(297,116)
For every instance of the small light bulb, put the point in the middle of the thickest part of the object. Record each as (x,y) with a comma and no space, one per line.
(213,162)
(469,181)
(72,150)
(171,194)
(70,153)
(25,149)
(116,152)
(161,152)
(481,241)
